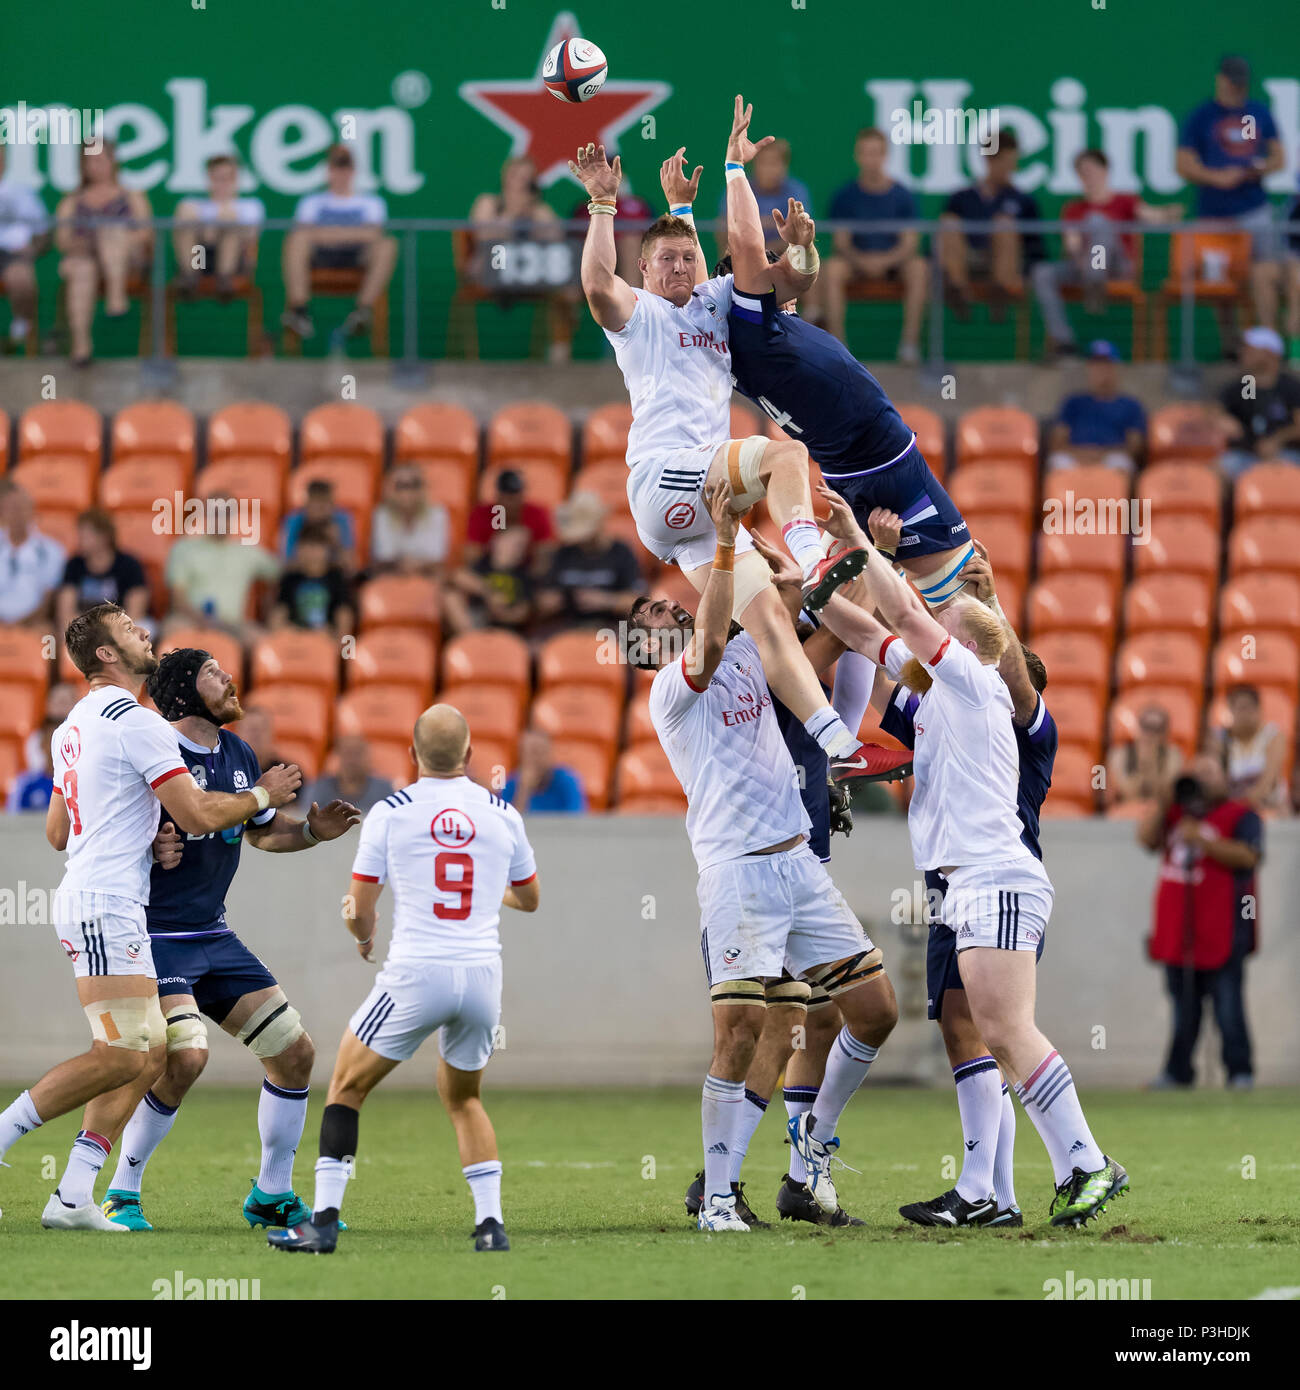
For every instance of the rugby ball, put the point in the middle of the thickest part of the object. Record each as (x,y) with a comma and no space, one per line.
(574,70)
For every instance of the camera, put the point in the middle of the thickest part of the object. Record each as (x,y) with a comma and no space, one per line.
(1191,798)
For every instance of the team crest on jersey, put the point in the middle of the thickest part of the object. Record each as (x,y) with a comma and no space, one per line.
(200,775)
(70,745)
(133,948)
(452,829)
(731,955)
(73,953)
(679,515)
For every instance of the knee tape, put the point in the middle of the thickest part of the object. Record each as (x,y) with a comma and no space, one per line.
(271,1028)
(738,992)
(743,458)
(792,993)
(123,1022)
(946,582)
(818,999)
(186,1028)
(750,577)
(848,974)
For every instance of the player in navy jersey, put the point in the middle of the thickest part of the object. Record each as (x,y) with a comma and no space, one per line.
(203,967)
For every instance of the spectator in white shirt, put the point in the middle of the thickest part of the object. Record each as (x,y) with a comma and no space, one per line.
(337,230)
(223,244)
(409,534)
(31,564)
(24,235)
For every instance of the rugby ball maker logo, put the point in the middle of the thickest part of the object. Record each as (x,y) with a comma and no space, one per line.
(679,515)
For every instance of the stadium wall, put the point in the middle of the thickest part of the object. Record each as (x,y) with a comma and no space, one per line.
(604,984)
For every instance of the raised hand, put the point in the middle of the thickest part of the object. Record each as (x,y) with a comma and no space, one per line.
(718,497)
(740,148)
(797,227)
(336,819)
(595,173)
(677,187)
(842,524)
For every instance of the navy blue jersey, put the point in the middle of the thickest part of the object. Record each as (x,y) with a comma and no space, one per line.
(813,387)
(190,900)
(814,768)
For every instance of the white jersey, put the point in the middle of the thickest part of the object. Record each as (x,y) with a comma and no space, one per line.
(966,763)
(109,755)
(724,744)
(450,848)
(677,366)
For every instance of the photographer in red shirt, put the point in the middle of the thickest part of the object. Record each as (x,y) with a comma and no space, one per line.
(1205,913)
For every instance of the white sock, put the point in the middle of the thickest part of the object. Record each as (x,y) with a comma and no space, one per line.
(846,1070)
(1003,1187)
(831,733)
(720,1110)
(1052,1103)
(803,539)
(854,676)
(281,1114)
(77,1185)
(979,1102)
(332,1176)
(485,1186)
(19,1119)
(148,1126)
(750,1114)
(798,1100)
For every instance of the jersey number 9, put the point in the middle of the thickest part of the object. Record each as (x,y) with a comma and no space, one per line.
(462,884)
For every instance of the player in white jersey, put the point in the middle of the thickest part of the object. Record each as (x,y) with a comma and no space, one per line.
(963,823)
(671,341)
(114,761)
(455,854)
(766,901)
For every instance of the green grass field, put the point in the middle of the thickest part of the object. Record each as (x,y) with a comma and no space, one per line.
(593,1186)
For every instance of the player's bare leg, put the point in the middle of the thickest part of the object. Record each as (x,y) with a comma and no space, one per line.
(476,1142)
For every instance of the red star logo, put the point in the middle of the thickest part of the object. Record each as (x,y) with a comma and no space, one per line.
(550,131)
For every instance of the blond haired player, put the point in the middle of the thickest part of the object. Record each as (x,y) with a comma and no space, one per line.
(114,761)
(671,342)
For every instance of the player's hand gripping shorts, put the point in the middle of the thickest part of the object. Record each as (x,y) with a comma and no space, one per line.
(409,1001)
(103,934)
(671,517)
(1005,906)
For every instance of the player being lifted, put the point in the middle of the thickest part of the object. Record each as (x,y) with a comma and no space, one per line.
(766,902)
(114,761)
(203,967)
(963,823)
(670,339)
(448,839)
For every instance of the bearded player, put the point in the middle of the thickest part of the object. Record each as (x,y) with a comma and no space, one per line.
(670,339)
(204,970)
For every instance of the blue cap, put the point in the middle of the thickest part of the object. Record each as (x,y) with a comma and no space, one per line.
(1099,350)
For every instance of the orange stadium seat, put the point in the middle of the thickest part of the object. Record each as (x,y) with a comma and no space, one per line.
(22,707)
(379,711)
(1072,790)
(582,659)
(994,489)
(546,481)
(58,526)
(355,483)
(1093,482)
(1169,603)
(135,483)
(4,440)
(1264,543)
(1103,555)
(1079,712)
(644,771)
(650,805)
(1183,431)
(1007,541)
(997,432)
(1181,489)
(1268,489)
(487,657)
(530,430)
(591,764)
(604,434)
(226,650)
(11,761)
(1259,659)
(394,656)
(136,536)
(343,430)
(64,429)
(931,438)
(438,432)
(1183,709)
(298,656)
(1260,601)
(608,480)
(257,479)
(449,481)
(1179,545)
(56,483)
(299,713)
(1161,658)
(391,759)
(491,761)
(1066,602)
(493,711)
(1074,658)
(399,600)
(1011,595)
(579,713)
(251,430)
(640,729)
(154,429)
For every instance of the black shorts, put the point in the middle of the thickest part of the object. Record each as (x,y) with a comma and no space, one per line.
(941,972)
(338,257)
(931,521)
(216,970)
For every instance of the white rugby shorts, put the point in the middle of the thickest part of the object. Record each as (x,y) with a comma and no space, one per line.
(103,934)
(669,511)
(410,1001)
(1006,906)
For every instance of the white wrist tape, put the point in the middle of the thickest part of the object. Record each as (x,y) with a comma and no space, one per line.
(261,796)
(804,259)
(308,836)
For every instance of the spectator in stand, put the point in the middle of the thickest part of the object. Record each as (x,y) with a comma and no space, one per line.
(1145,769)
(1205,914)
(338,229)
(863,256)
(98,572)
(211,580)
(58,705)
(24,237)
(1000,257)
(496,588)
(1227,147)
(1252,753)
(31,563)
(593,579)
(319,511)
(314,592)
(538,784)
(1097,252)
(32,788)
(257,729)
(96,246)
(510,509)
(1099,425)
(1260,412)
(224,243)
(409,534)
(354,779)
(773,184)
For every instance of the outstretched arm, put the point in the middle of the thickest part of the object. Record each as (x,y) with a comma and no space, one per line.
(704,652)
(680,191)
(609,297)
